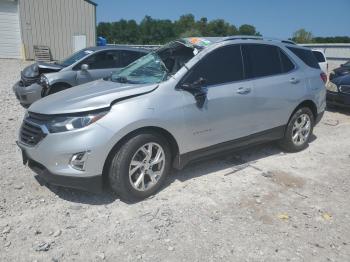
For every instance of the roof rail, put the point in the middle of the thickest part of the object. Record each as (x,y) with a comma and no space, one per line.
(252,37)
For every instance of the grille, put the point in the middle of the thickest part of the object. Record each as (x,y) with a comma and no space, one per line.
(345,89)
(31,134)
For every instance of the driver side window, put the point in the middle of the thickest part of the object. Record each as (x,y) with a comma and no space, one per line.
(223,65)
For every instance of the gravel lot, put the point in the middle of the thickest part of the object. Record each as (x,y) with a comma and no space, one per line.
(257,205)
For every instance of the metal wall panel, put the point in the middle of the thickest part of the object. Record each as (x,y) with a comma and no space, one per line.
(10,36)
(53,23)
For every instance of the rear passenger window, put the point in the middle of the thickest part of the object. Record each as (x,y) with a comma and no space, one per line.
(319,56)
(287,65)
(223,65)
(261,60)
(306,56)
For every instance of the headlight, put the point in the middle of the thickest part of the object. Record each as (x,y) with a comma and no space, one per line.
(69,123)
(44,81)
(331,87)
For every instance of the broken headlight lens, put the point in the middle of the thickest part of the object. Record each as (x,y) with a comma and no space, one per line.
(331,87)
(69,123)
(44,81)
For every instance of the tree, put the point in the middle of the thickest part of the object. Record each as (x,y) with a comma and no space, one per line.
(248,30)
(302,36)
(160,31)
(185,23)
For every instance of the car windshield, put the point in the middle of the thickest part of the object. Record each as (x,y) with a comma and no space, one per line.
(75,57)
(157,66)
(146,70)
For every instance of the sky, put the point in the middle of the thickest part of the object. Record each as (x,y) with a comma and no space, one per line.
(272,18)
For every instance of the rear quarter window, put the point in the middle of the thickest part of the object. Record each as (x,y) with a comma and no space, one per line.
(306,56)
(319,56)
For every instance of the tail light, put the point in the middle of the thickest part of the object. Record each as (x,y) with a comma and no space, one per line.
(323,77)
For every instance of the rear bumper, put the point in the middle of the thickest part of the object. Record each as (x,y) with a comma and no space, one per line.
(27,94)
(91,184)
(338,99)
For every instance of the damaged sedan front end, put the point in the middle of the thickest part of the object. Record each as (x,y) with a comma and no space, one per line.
(28,88)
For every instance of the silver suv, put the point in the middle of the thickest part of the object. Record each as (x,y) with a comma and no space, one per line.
(191,98)
(43,79)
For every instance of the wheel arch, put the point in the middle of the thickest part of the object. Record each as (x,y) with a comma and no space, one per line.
(60,83)
(174,147)
(309,104)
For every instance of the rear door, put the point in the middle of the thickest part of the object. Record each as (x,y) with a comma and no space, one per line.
(277,85)
(226,113)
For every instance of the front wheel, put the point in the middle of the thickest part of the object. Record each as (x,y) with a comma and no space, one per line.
(298,131)
(139,168)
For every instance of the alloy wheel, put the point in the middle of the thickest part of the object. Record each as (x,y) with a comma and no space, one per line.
(301,129)
(146,166)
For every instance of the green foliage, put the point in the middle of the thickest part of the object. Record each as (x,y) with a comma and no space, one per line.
(335,39)
(302,36)
(160,31)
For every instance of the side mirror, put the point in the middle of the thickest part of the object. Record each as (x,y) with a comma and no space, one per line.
(84,67)
(197,90)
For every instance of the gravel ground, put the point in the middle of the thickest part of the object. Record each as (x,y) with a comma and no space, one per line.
(257,205)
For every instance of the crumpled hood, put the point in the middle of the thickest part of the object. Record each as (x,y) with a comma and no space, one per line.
(90,96)
(36,69)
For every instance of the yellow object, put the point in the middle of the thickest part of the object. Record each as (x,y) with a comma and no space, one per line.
(283,216)
(327,216)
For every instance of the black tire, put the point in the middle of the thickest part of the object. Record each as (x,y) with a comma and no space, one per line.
(57,88)
(118,171)
(286,143)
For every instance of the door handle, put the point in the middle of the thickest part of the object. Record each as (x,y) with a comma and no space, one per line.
(294,80)
(243,90)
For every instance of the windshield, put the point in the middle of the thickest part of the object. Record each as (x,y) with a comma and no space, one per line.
(146,70)
(75,57)
(156,66)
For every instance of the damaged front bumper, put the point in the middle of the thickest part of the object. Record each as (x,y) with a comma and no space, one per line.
(27,95)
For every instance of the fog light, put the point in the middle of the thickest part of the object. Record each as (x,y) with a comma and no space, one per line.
(78,160)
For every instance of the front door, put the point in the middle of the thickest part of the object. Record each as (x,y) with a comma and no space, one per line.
(225,114)
(100,65)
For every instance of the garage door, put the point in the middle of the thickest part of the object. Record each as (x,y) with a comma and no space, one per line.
(10,36)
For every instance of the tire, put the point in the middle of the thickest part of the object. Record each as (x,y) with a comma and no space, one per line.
(299,130)
(124,175)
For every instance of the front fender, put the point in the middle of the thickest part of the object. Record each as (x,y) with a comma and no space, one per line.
(68,77)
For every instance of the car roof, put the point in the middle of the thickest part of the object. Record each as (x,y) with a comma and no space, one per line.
(118,47)
(202,42)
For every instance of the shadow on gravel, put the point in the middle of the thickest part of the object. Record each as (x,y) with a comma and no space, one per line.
(80,196)
(236,160)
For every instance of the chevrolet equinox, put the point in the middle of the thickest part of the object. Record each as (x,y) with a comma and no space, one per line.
(191,98)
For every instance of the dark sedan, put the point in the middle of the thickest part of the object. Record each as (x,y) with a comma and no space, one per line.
(344,69)
(338,91)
